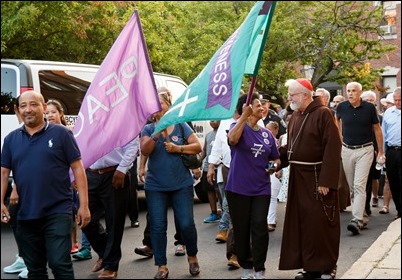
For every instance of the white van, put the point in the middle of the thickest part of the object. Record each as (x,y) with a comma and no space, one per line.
(67,83)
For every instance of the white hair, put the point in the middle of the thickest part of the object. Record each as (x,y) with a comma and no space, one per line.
(326,96)
(368,93)
(322,92)
(355,84)
(340,97)
(295,85)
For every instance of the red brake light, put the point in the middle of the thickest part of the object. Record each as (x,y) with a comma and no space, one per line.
(24,89)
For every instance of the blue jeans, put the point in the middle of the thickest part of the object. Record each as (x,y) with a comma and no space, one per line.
(182,204)
(225,220)
(46,241)
(85,242)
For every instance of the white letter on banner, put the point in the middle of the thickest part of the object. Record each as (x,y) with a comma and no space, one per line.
(91,110)
(126,74)
(118,85)
(81,117)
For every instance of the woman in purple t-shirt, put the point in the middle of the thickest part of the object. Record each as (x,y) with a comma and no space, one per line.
(249,187)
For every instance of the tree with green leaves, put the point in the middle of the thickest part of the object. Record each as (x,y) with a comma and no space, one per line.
(335,39)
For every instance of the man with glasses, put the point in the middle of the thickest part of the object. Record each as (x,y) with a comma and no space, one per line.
(313,153)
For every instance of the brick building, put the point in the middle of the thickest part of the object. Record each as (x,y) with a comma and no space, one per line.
(391,78)
(391,62)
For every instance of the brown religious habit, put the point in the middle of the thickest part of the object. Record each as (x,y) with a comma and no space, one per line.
(311,232)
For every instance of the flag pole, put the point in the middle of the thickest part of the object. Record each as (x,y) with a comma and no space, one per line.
(267,9)
(241,52)
(250,91)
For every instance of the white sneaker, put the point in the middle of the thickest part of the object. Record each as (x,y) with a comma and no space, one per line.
(247,274)
(16,267)
(23,274)
(260,274)
(180,250)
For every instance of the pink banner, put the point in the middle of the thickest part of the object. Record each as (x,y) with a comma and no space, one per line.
(120,99)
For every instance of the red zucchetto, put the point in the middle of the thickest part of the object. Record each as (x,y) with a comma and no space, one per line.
(306,83)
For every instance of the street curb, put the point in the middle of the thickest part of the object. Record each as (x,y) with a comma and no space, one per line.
(376,256)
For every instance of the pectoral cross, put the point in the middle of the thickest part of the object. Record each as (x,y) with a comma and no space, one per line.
(289,154)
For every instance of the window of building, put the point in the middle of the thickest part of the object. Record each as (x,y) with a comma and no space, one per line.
(388,24)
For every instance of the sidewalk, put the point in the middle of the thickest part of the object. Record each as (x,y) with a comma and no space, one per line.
(383,259)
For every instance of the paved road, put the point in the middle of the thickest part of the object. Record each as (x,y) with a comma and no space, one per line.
(211,255)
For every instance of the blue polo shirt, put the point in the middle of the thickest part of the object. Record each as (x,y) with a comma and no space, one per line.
(357,123)
(40,164)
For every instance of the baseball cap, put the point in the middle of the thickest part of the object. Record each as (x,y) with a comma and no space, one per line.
(264,98)
(388,99)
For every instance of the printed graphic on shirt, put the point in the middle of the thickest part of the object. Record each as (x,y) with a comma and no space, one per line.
(257,149)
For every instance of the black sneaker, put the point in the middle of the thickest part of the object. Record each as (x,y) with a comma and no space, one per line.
(135,224)
(308,275)
(354,227)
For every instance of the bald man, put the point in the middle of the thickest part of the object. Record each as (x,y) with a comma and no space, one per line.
(45,216)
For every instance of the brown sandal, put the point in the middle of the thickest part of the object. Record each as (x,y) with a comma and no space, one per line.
(163,273)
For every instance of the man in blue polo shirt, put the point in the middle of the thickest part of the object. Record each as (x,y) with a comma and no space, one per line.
(357,119)
(392,140)
(40,155)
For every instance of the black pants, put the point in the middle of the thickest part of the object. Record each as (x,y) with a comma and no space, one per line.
(374,174)
(132,208)
(394,176)
(106,201)
(249,219)
(46,242)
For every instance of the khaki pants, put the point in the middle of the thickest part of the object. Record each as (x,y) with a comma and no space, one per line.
(356,164)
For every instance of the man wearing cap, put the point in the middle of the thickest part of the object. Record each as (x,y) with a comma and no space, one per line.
(357,120)
(388,101)
(313,153)
(391,126)
(271,115)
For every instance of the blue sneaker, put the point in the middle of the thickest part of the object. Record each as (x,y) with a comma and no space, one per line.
(83,254)
(213,218)
(17,267)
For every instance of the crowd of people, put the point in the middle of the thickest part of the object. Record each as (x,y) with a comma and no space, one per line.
(317,158)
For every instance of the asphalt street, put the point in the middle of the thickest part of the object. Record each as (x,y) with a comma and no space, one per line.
(211,256)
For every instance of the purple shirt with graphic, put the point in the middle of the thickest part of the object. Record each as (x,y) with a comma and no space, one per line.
(247,175)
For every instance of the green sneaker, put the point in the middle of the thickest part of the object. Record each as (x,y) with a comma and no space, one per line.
(83,254)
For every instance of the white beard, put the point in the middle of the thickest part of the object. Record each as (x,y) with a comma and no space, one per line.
(294,106)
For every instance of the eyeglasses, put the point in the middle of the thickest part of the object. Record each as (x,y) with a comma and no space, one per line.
(293,94)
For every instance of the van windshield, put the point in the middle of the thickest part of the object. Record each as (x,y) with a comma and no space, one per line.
(68,87)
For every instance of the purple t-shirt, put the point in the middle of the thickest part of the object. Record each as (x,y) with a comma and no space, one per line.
(247,175)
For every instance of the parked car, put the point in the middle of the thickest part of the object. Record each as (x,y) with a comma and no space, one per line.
(68,83)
